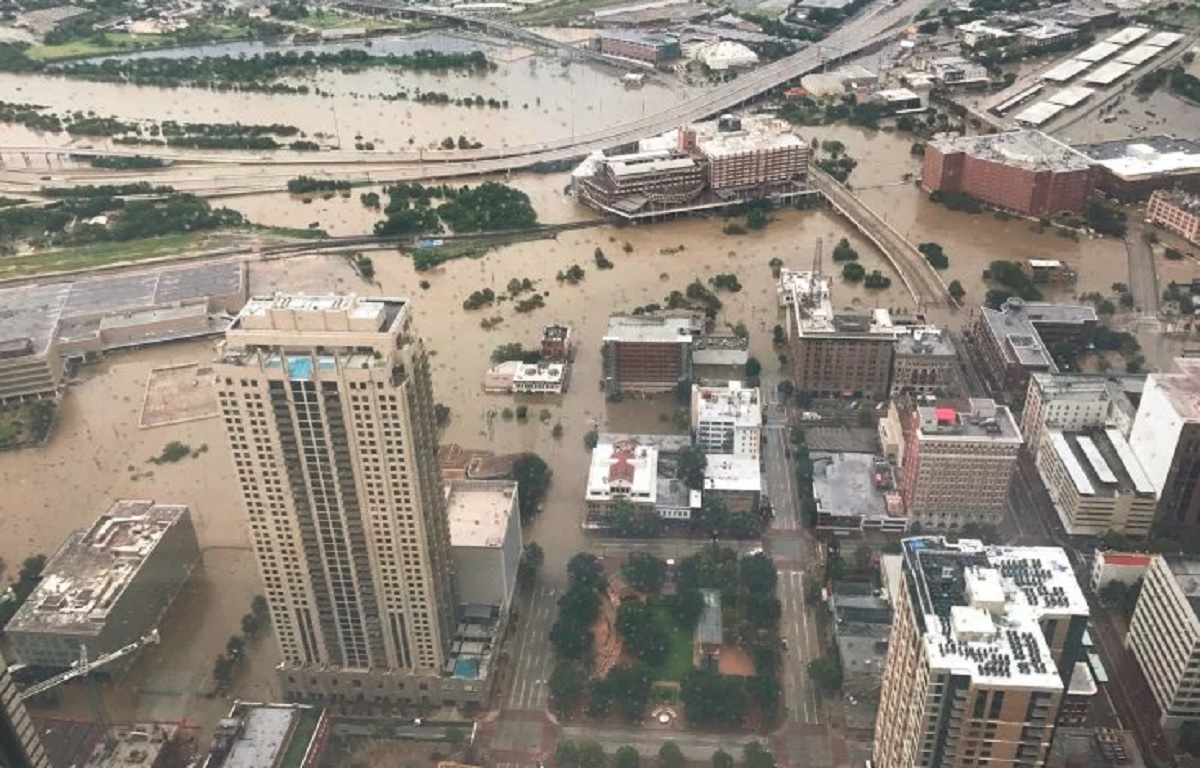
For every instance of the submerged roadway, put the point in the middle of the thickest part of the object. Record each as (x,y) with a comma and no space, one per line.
(244,171)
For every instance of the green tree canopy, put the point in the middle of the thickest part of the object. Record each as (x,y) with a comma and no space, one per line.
(645,572)
(533,479)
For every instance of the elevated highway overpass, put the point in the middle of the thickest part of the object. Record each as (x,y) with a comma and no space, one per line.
(870,28)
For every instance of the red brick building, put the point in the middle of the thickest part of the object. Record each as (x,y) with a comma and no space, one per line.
(1023,171)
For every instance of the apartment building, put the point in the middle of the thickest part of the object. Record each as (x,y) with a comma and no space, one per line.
(107,586)
(1096,483)
(925,362)
(1177,211)
(328,407)
(648,353)
(1024,171)
(1166,440)
(983,645)
(835,354)
(728,419)
(20,743)
(958,460)
(1164,637)
(1075,401)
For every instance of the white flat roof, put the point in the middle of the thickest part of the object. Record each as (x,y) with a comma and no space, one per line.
(478,511)
(1127,36)
(726,472)
(1065,70)
(1141,481)
(1097,52)
(1099,465)
(1109,73)
(1139,54)
(1045,263)
(1164,39)
(1038,113)
(1069,97)
(1078,475)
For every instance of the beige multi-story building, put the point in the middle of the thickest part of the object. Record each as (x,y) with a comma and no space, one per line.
(958,462)
(835,354)
(1074,401)
(1164,636)
(328,406)
(1177,211)
(1096,483)
(983,645)
(20,744)
(728,419)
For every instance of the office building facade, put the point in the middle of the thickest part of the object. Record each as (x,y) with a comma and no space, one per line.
(958,461)
(328,406)
(1164,636)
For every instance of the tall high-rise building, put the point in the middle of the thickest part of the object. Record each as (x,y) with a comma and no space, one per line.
(1166,439)
(20,745)
(983,646)
(1164,636)
(328,406)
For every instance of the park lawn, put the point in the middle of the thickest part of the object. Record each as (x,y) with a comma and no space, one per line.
(679,659)
(114,43)
(98,255)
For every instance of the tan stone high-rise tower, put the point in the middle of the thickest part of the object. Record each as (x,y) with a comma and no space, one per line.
(328,406)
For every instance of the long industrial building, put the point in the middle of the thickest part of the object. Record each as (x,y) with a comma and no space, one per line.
(1129,170)
(983,645)
(108,585)
(696,167)
(43,324)
(328,406)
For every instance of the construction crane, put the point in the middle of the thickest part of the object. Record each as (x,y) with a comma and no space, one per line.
(84,667)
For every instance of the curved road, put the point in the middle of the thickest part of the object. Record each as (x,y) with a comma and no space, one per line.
(874,25)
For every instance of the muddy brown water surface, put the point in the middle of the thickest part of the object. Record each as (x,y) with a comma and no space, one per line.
(98,453)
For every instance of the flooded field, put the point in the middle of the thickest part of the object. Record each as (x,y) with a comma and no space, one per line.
(548,99)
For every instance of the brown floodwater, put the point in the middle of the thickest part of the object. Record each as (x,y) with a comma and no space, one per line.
(98,453)
(547,100)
